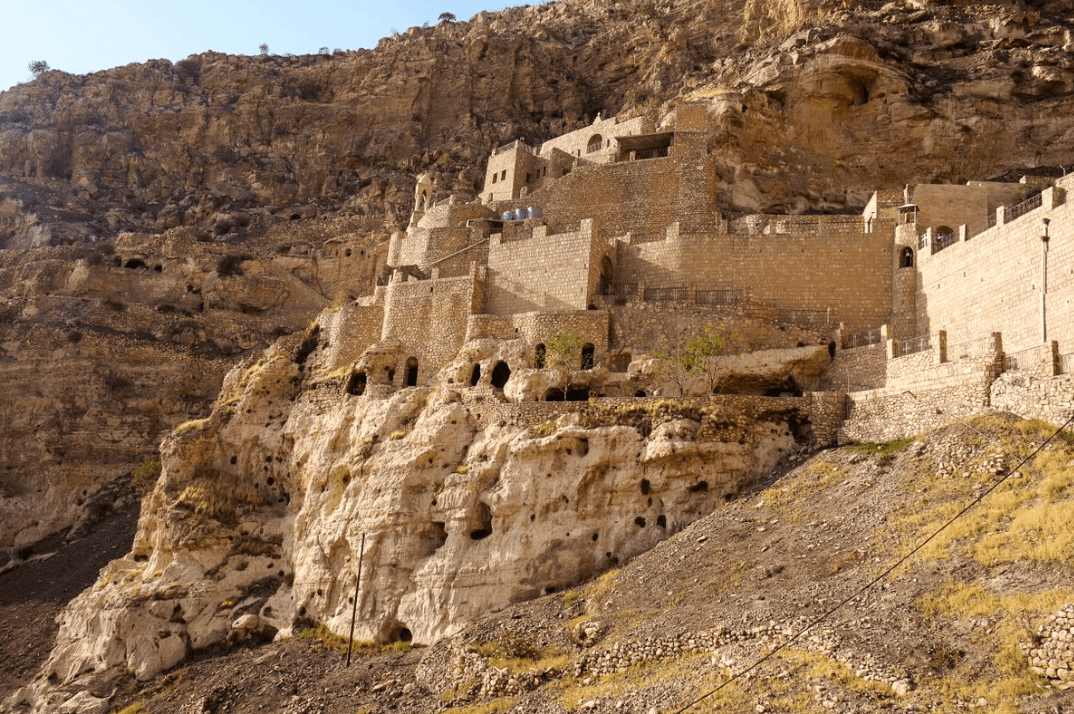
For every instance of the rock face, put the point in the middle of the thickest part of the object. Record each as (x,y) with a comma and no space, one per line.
(104,350)
(467,503)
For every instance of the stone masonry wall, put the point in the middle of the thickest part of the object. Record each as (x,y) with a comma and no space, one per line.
(429,318)
(920,395)
(956,205)
(992,282)
(536,328)
(849,273)
(857,369)
(349,331)
(1034,397)
(548,273)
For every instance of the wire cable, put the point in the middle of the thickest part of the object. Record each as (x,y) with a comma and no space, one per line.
(868,586)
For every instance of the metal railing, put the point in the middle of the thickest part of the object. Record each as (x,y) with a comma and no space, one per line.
(1029,359)
(980,347)
(720,297)
(1030,204)
(812,318)
(862,339)
(992,219)
(915,345)
(666,294)
(621,289)
(944,240)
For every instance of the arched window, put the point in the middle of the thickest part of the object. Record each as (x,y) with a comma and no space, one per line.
(595,143)
(475,376)
(906,260)
(587,355)
(412,372)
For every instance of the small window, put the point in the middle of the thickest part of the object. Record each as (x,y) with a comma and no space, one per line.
(529,178)
(495,177)
(503,175)
(587,356)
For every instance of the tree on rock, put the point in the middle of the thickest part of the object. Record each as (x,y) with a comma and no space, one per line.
(697,359)
(38,68)
(562,356)
(446,17)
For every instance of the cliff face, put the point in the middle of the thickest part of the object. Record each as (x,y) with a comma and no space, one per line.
(816,103)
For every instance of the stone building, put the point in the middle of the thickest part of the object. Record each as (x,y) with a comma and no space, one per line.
(611,232)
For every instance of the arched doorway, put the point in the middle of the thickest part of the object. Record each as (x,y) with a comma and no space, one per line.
(906,259)
(412,372)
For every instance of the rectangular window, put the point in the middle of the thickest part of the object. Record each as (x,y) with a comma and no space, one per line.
(503,175)
(494,178)
(528,178)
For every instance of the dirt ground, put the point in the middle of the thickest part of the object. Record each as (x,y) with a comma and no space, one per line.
(789,550)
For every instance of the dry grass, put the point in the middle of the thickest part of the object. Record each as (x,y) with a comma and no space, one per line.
(496,706)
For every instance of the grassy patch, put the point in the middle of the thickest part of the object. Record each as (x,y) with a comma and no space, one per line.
(331,641)
(1006,676)
(886,448)
(541,430)
(144,477)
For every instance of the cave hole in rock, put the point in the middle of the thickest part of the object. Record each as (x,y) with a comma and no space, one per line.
(640,393)
(538,356)
(645,486)
(662,521)
(639,522)
(549,589)
(831,350)
(412,372)
(158,268)
(500,374)
(583,447)
(649,502)
(596,537)
(533,517)
(699,487)
(475,375)
(356,384)
(400,633)
(270,481)
(437,537)
(587,355)
(234,460)
(135,263)
(484,519)
(390,374)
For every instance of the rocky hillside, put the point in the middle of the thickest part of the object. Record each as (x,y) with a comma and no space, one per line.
(952,630)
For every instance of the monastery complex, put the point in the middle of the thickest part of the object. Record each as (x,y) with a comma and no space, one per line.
(937,300)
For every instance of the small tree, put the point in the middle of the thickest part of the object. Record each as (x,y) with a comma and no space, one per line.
(263,47)
(323,51)
(706,349)
(446,17)
(562,356)
(38,68)
(697,359)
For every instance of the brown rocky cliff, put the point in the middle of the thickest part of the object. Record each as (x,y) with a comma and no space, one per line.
(921,91)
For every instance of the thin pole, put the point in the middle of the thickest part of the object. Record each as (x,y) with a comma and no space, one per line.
(354,608)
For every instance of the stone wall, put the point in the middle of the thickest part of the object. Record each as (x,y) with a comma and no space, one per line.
(428,318)
(536,328)
(549,273)
(857,369)
(832,266)
(349,331)
(647,327)
(957,205)
(920,395)
(992,282)
(1035,397)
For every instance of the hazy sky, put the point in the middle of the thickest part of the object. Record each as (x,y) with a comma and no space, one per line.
(89,35)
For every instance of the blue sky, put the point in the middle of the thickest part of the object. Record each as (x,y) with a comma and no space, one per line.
(91,35)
